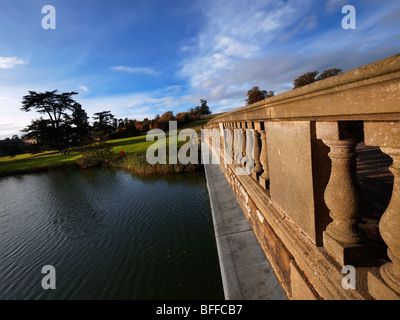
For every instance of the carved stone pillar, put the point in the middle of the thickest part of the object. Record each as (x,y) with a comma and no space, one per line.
(343,237)
(264,178)
(232,142)
(236,141)
(227,144)
(238,144)
(386,285)
(243,143)
(258,169)
(249,148)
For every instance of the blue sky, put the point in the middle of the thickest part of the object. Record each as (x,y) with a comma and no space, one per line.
(139,58)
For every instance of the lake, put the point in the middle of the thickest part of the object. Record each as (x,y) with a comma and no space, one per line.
(109,235)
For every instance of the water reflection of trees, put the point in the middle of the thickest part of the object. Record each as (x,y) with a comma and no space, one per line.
(196,178)
(78,201)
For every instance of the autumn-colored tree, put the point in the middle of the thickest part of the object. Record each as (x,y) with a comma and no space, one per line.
(163,122)
(145,126)
(182,117)
(255,94)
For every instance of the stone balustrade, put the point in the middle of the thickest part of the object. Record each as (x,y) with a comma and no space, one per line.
(300,189)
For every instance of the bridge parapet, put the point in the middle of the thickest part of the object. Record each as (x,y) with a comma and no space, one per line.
(292,162)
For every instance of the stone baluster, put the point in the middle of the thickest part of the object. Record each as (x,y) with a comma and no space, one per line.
(264,178)
(243,126)
(386,285)
(238,144)
(221,140)
(236,140)
(258,169)
(343,195)
(232,141)
(249,148)
(227,143)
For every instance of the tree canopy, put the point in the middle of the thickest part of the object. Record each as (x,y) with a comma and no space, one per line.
(203,108)
(103,121)
(255,94)
(66,121)
(311,77)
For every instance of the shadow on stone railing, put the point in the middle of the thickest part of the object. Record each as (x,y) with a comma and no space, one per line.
(292,162)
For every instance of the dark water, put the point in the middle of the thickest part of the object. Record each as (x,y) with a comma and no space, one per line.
(108,235)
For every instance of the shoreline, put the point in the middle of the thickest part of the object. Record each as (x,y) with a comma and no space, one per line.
(141,169)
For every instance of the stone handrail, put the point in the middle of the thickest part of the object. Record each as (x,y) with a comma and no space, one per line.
(301,192)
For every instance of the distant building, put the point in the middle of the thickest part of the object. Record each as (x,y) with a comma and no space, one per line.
(14,146)
(30,141)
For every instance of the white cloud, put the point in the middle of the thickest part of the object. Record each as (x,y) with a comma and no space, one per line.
(135,70)
(134,106)
(236,32)
(270,43)
(12,119)
(230,47)
(84,88)
(9,62)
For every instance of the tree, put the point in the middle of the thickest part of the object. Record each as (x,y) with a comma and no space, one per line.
(63,112)
(80,125)
(311,77)
(305,79)
(164,119)
(103,122)
(328,73)
(51,103)
(255,94)
(203,108)
(182,117)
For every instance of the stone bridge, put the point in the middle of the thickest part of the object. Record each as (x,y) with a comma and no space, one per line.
(310,170)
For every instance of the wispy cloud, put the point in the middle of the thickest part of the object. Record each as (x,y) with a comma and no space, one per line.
(135,105)
(270,43)
(84,88)
(229,41)
(10,62)
(136,70)
(335,5)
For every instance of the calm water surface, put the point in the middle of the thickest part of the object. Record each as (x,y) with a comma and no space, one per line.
(109,235)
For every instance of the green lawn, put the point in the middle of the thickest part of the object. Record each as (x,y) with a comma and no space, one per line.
(33,162)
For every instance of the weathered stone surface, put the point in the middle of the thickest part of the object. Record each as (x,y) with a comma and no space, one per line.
(301,287)
(350,254)
(264,178)
(292,177)
(379,289)
(343,195)
(289,160)
(386,135)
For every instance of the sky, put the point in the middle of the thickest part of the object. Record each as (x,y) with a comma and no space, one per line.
(139,58)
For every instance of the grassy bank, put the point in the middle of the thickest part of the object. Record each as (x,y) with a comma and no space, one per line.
(134,161)
(137,164)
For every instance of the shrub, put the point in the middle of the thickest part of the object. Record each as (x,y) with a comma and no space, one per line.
(95,154)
